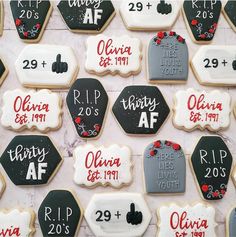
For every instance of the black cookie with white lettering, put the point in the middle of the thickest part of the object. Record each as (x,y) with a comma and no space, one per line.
(229,11)
(30,160)
(201,18)
(86,16)
(87,102)
(3,72)
(141,110)
(211,162)
(168,58)
(60,214)
(30,17)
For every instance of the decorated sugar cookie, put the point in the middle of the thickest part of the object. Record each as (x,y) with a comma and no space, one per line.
(230,223)
(31,18)
(1,17)
(86,16)
(140,110)
(149,14)
(164,167)
(229,11)
(116,55)
(180,221)
(46,66)
(167,58)
(118,214)
(102,165)
(201,17)
(201,110)
(215,65)
(30,160)
(39,110)
(17,222)
(211,163)
(60,214)
(3,71)
(2,185)
(87,102)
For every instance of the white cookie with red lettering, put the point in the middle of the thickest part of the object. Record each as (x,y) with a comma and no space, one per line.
(17,222)
(103,165)
(39,110)
(177,221)
(114,55)
(202,110)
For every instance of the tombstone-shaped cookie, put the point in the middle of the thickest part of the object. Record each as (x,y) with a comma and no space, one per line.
(168,58)
(87,102)
(86,16)
(211,163)
(118,214)
(30,160)
(60,214)
(201,18)
(30,17)
(229,11)
(140,110)
(164,167)
(231,223)
(3,71)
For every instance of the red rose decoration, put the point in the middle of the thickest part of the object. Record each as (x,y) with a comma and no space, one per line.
(215,25)
(97,127)
(157,144)
(152,153)
(26,34)
(168,143)
(78,120)
(158,41)
(85,134)
(211,30)
(172,33)
(202,36)
(215,194)
(222,191)
(194,22)
(176,147)
(180,39)
(204,188)
(160,35)
(38,26)
(18,22)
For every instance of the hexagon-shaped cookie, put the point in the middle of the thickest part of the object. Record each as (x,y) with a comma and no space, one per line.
(3,71)
(149,14)
(211,163)
(31,160)
(46,66)
(140,110)
(86,16)
(87,102)
(31,18)
(118,214)
(60,214)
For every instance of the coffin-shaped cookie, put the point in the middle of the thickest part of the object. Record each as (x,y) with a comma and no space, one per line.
(102,165)
(46,66)
(87,102)
(149,14)
(215,65)
(3,71)
(39,110)
(229,11)
(30,160)
(167,58)
(86,16)
(118,214)
(230,223)
(2,185)
(30,18)
(60,214)
(201,18)
(141,109)
(188,220)
(164,167)
(211,163)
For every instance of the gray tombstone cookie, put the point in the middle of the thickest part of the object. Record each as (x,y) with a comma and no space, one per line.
(168,58)
(231,230)
(164,168)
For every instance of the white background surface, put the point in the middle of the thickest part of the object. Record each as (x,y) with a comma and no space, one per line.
(66,138)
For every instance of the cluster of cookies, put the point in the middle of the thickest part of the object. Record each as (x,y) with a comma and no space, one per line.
(139,109)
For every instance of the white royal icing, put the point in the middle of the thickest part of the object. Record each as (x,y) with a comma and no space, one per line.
(213,64)
(188,221)
(143,14)
(16,223)
(201,109)
(34,66)
(102,165)
(113,54)
(30,109)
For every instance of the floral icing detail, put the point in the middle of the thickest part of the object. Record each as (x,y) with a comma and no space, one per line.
(214,193)
(161,35)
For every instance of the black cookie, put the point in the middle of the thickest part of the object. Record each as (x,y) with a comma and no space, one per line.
(211,162)
(230,12)
(87,102)
(30,17)
(202,18)
(59,214)
(30,160)
(86,16)
(141,109)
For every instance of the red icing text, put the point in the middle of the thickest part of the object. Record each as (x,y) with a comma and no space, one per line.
(12,231)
